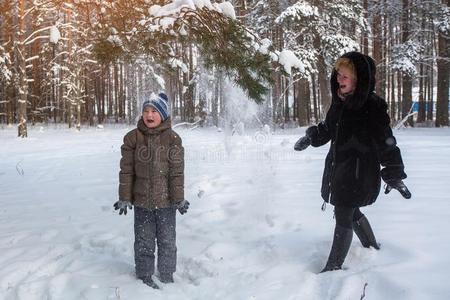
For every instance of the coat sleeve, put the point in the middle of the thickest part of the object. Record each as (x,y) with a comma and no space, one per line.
(386,146)
(176,169)
(320,134)
(127,172)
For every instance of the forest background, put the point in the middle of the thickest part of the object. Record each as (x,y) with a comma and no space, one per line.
(90,62)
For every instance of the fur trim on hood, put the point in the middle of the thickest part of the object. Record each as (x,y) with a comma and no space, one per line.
(365,85)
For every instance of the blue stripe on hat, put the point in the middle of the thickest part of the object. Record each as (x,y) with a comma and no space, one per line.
(162,111)
(164,102)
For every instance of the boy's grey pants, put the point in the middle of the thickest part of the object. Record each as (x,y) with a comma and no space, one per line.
(151,225)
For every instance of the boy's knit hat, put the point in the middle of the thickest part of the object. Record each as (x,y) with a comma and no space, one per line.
(160,103)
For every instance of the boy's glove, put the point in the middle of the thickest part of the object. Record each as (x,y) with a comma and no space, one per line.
(399,186)
(303,143)
(182,206)
(122,206)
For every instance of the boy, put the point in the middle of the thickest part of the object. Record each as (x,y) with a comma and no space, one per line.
(357,124)
(151,179)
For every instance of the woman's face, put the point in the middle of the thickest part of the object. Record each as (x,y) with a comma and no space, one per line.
(346,81)
(151,117)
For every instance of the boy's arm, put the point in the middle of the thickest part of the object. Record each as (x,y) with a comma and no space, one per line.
(385,143)
(126,174)
(176,170)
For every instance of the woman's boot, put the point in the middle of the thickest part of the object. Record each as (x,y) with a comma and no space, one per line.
(341,244)
(364,232)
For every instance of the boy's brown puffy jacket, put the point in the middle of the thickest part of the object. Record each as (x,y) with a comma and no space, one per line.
(152,166)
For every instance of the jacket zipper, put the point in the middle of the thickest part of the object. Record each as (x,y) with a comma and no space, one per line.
(333,163)
(357,168)
(147,140)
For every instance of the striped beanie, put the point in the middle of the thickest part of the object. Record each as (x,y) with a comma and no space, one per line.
(160,103)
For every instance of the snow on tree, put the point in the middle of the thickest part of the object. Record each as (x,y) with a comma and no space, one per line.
(308,20)
(289,61)
(153,30)
(405,56)
(442,20)
(5,72)
(142,45)
(319,32)
(28,20)
(55,35)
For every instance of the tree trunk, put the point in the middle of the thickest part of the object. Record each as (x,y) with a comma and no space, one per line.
(377,52)
(285,90)
(381,76)
(190,101)
(393,104)
(365,34)
(294,104)
(116,92)
(430,93)
(407,79)
(399,95)
(302,102)
(315,99)
(23,84)
(89,96)
(308,101)
(432,51)
(443,73)
(421,110)
(120,96)
(101,117)
(324,89)
(140,89)
(216,98)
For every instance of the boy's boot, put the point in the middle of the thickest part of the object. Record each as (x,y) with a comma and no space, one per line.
(341,244)
(365,234)
(166,277)
(149,281)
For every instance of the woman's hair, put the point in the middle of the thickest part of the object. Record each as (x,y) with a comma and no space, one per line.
(345,63)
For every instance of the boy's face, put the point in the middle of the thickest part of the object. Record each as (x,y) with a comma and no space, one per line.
(151,117)
(346,81)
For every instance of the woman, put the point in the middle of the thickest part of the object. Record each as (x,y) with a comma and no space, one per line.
(358,126)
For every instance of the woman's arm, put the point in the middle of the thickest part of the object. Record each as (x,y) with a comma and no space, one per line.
(386,145)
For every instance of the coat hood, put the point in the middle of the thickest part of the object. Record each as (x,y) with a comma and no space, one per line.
(166,124)
(365,73)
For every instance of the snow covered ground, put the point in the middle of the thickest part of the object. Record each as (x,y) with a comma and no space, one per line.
(254,230)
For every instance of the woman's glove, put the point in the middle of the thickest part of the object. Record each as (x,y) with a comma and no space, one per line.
(303,143)
(399,186)
(122,206)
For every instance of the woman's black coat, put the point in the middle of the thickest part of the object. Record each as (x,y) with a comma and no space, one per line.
(361,140)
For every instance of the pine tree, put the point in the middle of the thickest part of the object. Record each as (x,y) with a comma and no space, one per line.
(320,32)
(225,43)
